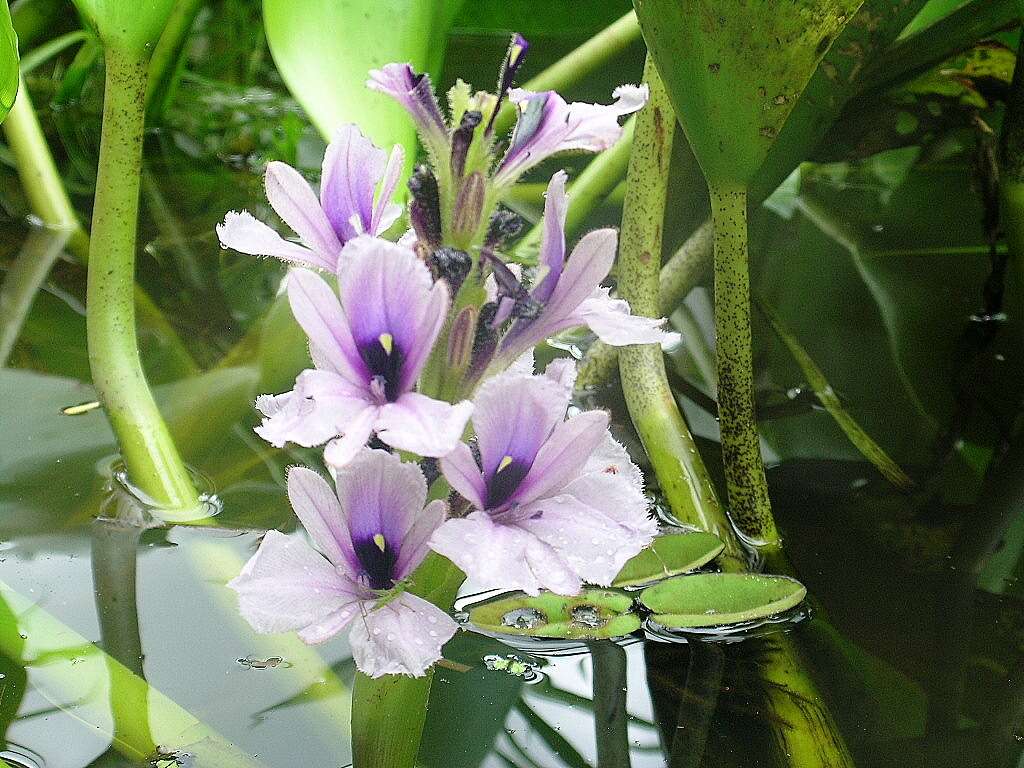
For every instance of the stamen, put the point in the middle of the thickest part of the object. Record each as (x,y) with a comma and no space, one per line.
(378,539)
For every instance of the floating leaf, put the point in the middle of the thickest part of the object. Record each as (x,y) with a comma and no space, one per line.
(713,599)
(735,69)
(669,555)
(593,615)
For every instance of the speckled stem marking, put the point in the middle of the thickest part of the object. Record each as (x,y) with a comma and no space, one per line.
(741,453)
(153,462)
(666,438)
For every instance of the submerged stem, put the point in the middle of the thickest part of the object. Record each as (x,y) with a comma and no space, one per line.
(153,461)
(741,450)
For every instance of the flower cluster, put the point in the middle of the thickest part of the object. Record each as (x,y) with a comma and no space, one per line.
(424,348)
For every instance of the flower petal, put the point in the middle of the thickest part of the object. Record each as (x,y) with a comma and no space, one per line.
(422,425)
(414,542)
(552,247)
(416,94)
(296,203)
(563,455)
(502,556)
(316,505)
(385,212)
(514,415)
(593,544)
(463,475)
(287,585)
(324,630)
(380,494)
(244,233)
(386,289)
(357,431)
(318,409)
(404,637)
(548,125)
(317,310)
(611,320)
(352,167)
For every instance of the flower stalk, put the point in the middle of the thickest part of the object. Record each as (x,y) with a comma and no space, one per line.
(741,452)
(153,462)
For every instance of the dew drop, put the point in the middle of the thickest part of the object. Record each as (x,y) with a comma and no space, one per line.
(523,618)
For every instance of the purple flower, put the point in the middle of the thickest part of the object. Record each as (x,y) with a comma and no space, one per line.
(416,94)
(569,291)
(369,349)
(368,538)
(548,125)
(352,168)
(557,501)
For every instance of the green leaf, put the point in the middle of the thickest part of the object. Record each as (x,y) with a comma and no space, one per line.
(735,69)
(593,615)
(669,555)
(8,61)
(713,599)
(325,49)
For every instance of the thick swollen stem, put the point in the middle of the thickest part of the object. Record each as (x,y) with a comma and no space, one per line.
(153,462)
(806,733)
(680,470)
(741,450)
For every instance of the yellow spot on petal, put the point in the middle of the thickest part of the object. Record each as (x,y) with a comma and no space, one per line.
(504,462)
(387,341)
(378,539)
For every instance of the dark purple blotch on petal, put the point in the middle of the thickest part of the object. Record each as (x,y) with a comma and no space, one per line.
(505,481)
(377,558)
(384,359)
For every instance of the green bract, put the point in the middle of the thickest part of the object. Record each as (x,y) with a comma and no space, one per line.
(735,69)
(668,556)
(711,599)
(594,614)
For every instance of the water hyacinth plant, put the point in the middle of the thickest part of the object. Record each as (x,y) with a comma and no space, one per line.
(358,415)
(539,484)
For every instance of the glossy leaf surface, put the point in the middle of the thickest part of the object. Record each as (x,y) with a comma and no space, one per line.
(669,555)
(735,69)
(713,599)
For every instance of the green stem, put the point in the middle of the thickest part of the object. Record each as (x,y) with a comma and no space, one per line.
(593,54)
(1011,170)
(741,451)
(807,735)
(679,275)
(24,279)
(611,720)
(153,462)
(678,466)
(48,199)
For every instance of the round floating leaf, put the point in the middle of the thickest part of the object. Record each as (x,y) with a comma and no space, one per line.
(669,555)
(713,599)
(593,615)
